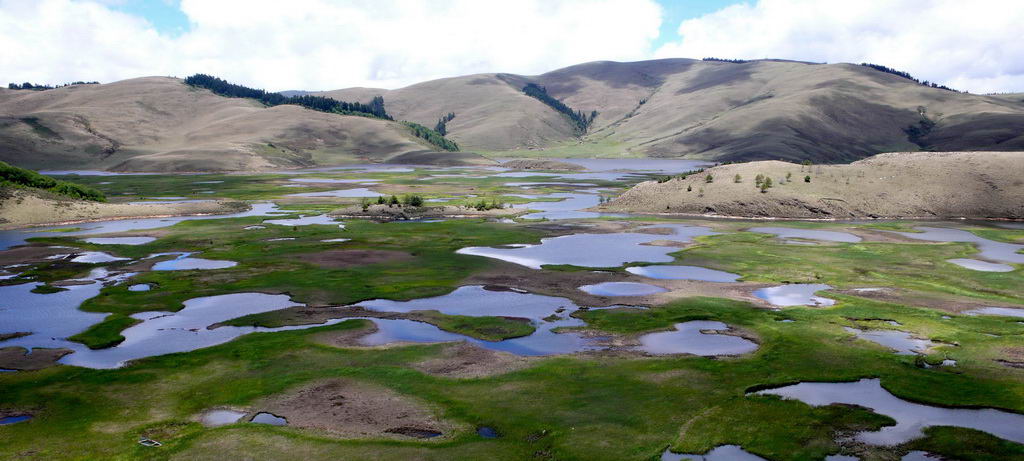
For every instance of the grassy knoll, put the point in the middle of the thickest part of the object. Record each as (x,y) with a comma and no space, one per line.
(106,333)
(486,328)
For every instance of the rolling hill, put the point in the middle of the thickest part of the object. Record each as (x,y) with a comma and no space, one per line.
(161,124)
(700,109)
(941,185)
(715,110)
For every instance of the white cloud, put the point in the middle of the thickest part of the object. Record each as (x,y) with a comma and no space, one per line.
(976,45)
(321,44)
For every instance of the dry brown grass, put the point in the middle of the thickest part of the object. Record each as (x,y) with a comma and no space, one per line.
(894,185)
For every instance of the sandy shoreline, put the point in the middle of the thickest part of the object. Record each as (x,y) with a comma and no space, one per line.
(24,209)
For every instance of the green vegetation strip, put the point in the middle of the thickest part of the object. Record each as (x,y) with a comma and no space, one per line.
(13,176)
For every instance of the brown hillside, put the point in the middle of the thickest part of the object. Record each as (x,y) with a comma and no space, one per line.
(893,185)
(161,124)
(768,109)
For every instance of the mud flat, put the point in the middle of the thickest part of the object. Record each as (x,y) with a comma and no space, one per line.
(24,209)
(541,164)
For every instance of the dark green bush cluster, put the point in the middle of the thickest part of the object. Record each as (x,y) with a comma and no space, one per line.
(484,205)
(37,87)
(580,119)
(734,61)
(323,104)
(906,75)
(21,177)
(686,174)
(431,136)
(442,123)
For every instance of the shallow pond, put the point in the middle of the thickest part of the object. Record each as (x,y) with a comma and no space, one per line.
(1003,311)
(719,453)
(334,181)
(140,287)
(120,240)
(166,332)
(689,338)
(797,294)
(477,300)
(650,165)
(541,342)
(304,221)
(811,234)
(14,419)
(683,273)
(900,341)
(184,262)
(990,249)
(214,418)
(350,193)
(910,417)
(269,418)
(96,257)
(17,237)
(593,250)
(487,432)
(622,289)
(978,265)
(567,208)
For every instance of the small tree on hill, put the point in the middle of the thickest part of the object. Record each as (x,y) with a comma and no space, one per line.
(767,183)
(709,179)
(807,178)
(737,179)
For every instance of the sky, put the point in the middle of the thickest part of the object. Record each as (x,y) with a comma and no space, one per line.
(328,44)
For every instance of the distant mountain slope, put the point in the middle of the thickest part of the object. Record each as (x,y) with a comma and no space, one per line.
(713,110)
(893,185)
(161,124)
(766,109)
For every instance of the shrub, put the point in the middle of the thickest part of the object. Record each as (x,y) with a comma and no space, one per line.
(709,179)
(807,178)
(412,200)
(21,177)
(737,179)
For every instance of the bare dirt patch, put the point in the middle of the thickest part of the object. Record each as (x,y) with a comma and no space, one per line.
(1012,357)
(28,254)
(541,164)
(340,259)
(346,338)
(26,208)
(19,358)
(353,409)
(943,302)
(465,360)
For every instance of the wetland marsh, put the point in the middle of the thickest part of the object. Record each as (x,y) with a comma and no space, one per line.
(540,330)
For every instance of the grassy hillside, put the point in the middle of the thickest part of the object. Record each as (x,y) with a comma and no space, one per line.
(161,124)
(908,184)
(756,110)
(714,110)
